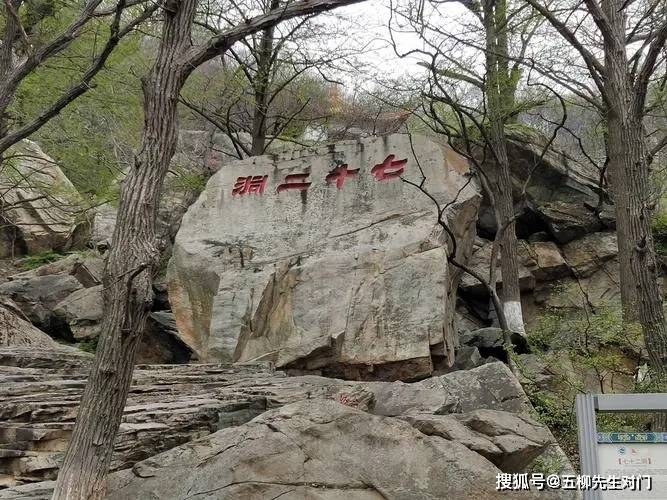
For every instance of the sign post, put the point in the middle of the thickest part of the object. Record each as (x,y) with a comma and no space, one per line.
(622,457)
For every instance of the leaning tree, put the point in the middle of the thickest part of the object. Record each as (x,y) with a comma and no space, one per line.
(134,255)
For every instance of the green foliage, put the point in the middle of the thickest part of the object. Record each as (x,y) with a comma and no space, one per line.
(190,182)
(659,230)
(547,465)
(584,334)
(581,352)
(35,261)
(93,137)
(88,345)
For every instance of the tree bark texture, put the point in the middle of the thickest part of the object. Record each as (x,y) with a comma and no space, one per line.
(261,85)
(132,261)
(630,185)
(134,254)
(497,87)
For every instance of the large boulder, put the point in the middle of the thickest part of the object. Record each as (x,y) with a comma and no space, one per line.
(316,450)
(42,210)
(247,274)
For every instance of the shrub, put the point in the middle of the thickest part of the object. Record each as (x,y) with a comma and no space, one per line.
(88,345)
(35,261)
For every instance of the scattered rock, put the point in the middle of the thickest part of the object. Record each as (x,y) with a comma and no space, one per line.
(16,330)
(37,297)
(82,311)
(467,358)
(55,294)
(490,342)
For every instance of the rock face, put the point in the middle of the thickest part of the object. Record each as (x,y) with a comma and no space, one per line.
(16,330)
(582,273)
(348,277)
(561,193)
(50,295)
(510,441)
(467,422)
(282,454)
(41,208)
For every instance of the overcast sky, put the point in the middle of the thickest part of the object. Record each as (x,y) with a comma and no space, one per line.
(373,17)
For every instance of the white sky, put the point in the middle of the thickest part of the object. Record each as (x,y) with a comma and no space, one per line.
(373,16)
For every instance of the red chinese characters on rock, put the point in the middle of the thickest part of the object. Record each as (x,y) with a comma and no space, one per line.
(294,182)
(340,174)
(389,169)
(253,184)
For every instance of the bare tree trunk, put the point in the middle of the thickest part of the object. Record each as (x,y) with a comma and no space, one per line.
(265,62)
(132,261)
(497,90)
(9,34)
(630,185)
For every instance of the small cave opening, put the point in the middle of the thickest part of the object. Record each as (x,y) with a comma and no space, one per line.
(529,223)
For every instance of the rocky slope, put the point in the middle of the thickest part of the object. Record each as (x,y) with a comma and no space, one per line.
(344,277)
(464,425)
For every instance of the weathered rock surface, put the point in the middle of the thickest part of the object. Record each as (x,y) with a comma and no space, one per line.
(82,311)
(561,192)
(246,274)
(170,405)
(40,293)
(539,261)
(510,441)
(16,330)
(588,254)
(104,224)
(313,449)
(42,210)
